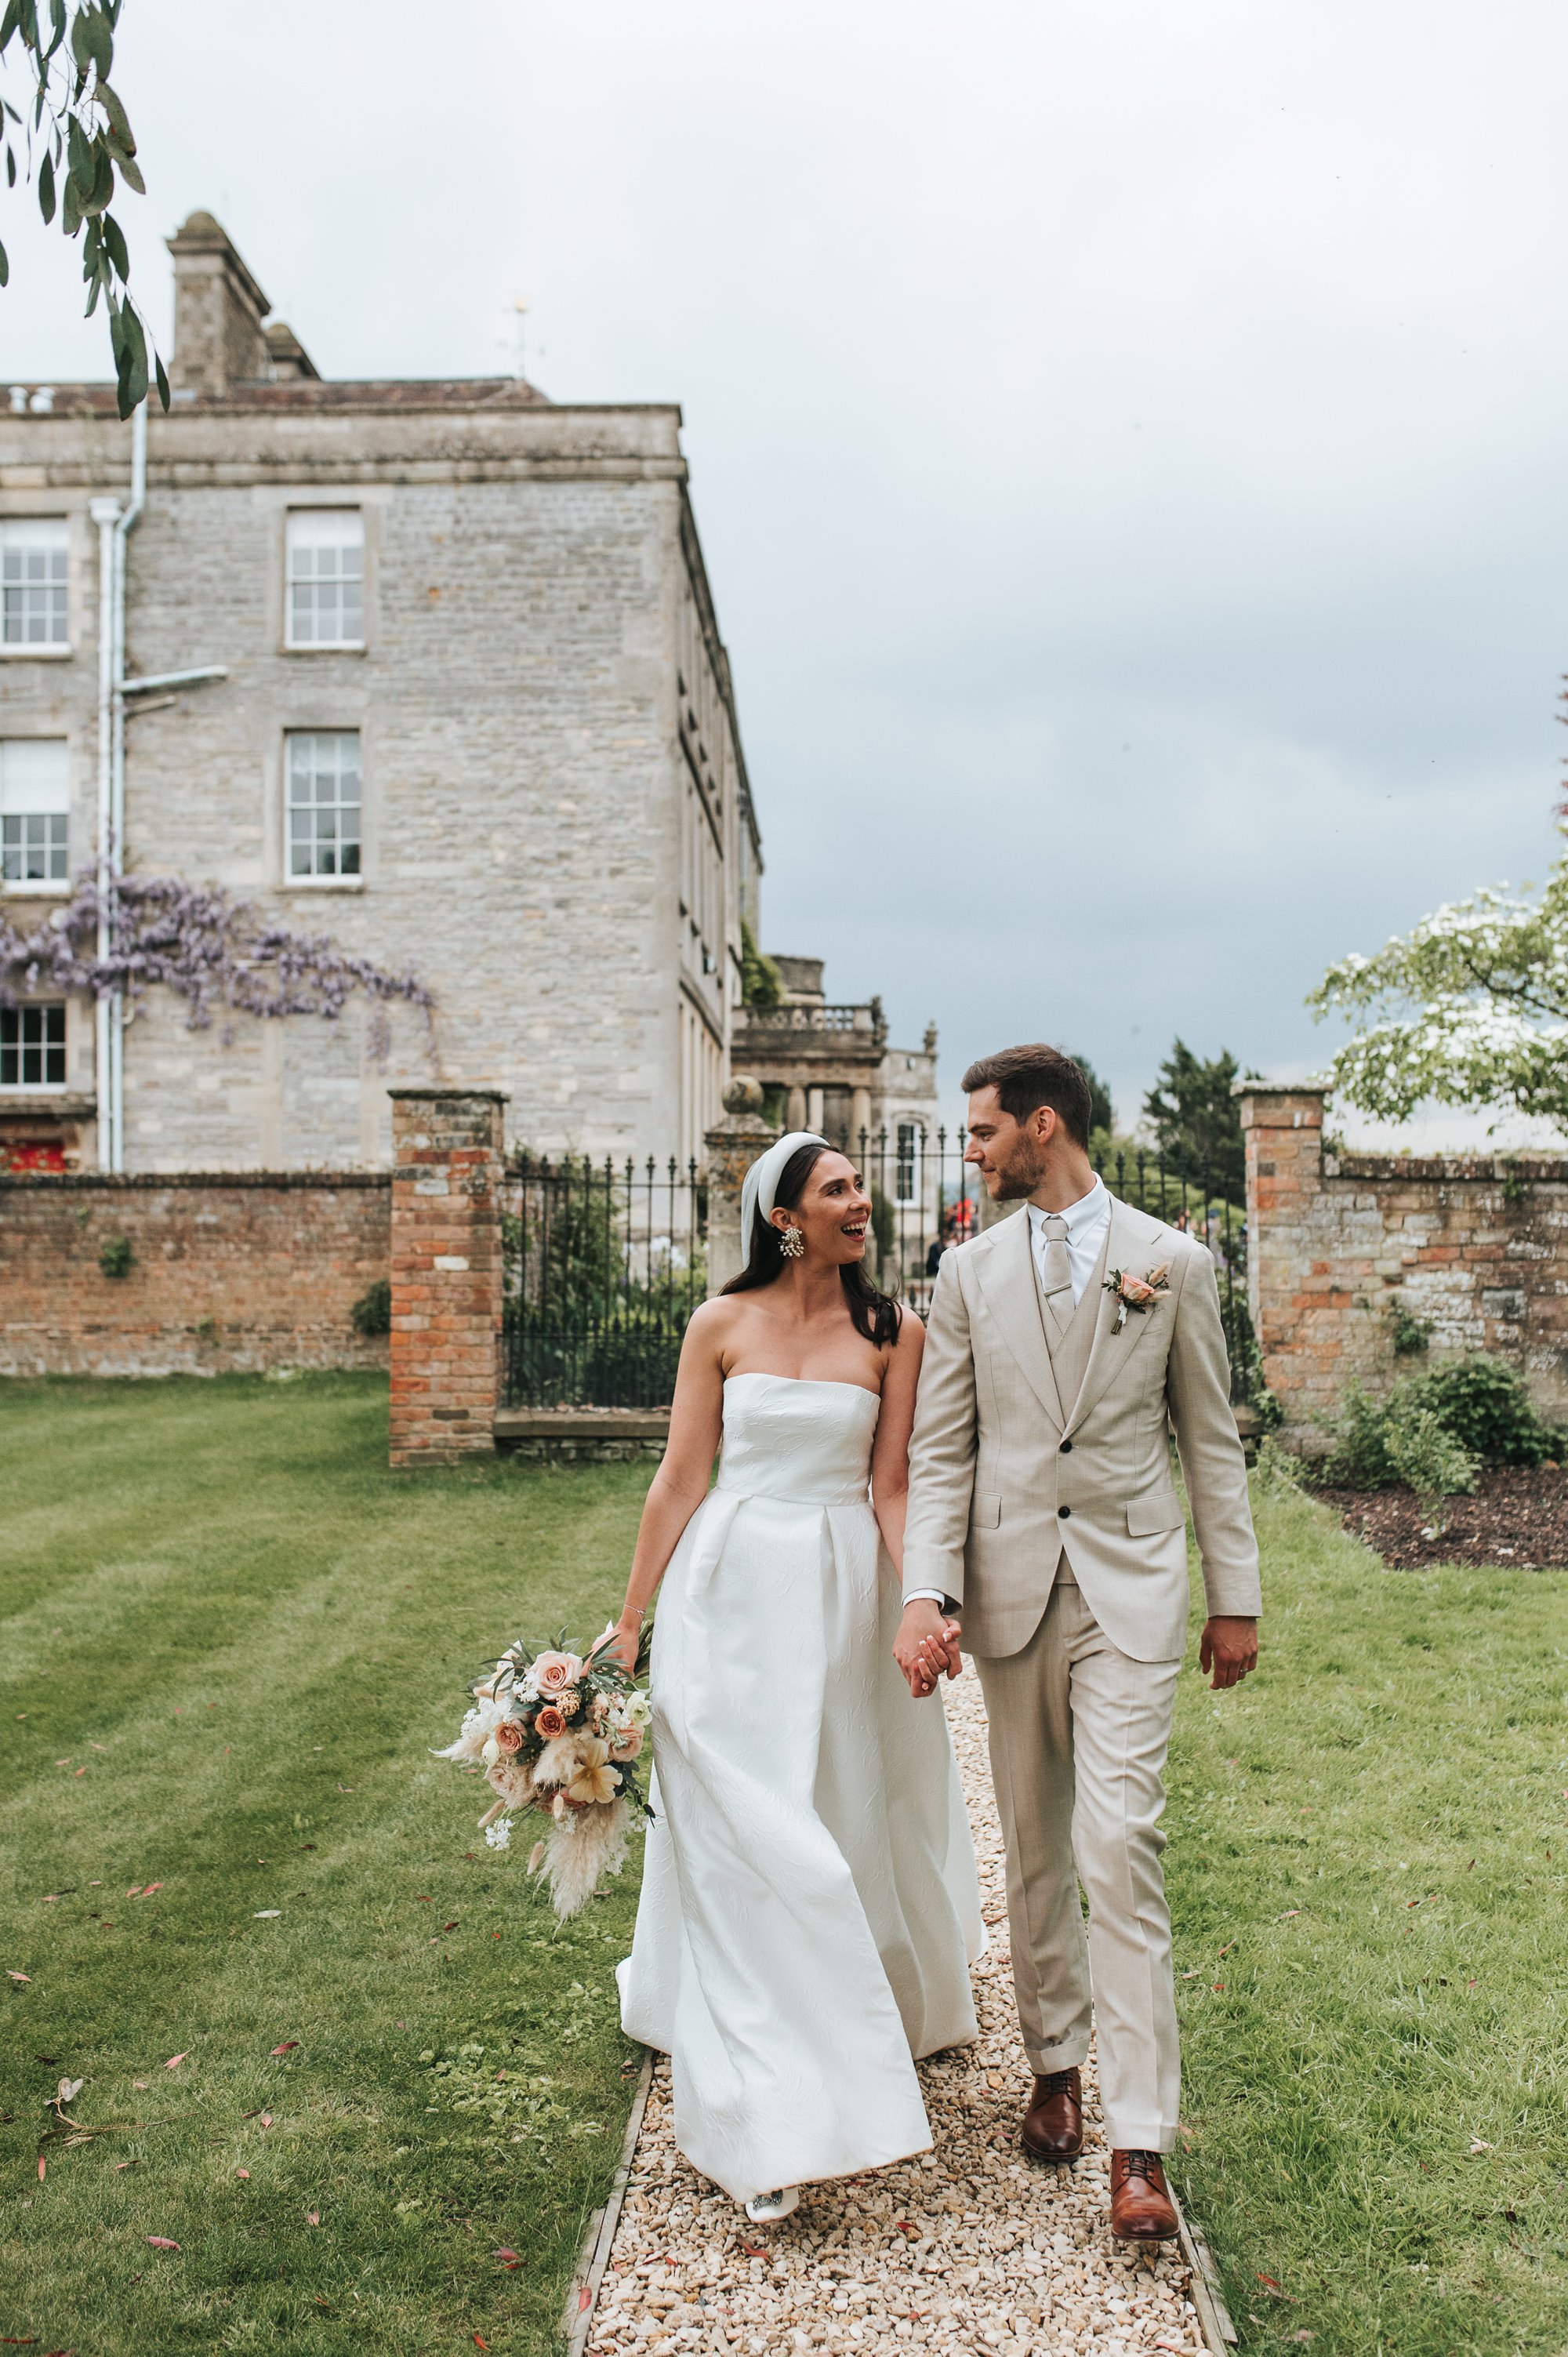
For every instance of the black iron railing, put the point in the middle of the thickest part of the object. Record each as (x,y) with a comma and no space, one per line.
(605,1261)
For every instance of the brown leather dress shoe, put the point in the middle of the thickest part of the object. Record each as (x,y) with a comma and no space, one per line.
(1142,2209)
(1053,2125)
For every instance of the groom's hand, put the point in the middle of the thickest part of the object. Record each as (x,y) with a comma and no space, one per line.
(926,1645)
(1228,1647)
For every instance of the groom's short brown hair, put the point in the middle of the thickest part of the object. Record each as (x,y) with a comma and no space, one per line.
(1026,1077)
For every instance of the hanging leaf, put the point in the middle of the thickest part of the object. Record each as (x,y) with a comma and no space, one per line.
(47,187)
(5,268)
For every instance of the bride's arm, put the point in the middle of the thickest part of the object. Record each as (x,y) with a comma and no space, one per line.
(678,1488)
(890,1450)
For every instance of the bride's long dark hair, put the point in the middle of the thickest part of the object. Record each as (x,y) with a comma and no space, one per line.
(874,1315)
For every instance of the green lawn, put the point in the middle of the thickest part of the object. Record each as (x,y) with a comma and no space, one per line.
(229,1637)
(1367,1857)
(221,1586)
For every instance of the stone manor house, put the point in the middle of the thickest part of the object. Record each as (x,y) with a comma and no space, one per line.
(431,667)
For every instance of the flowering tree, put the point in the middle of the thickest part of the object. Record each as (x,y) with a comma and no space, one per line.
(1477,1001)
(75,139)
(212,951)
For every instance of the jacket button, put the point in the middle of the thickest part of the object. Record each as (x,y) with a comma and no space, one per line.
(1064,1511)
(1066,1448)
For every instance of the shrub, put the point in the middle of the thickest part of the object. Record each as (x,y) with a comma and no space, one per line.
(1277,1472)
(1409,1334)
(1359,1457)
(371,1313)
(1425,1455)
(115,1257)
(1484,1404)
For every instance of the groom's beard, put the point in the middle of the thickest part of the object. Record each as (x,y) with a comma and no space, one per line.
(1019,1176)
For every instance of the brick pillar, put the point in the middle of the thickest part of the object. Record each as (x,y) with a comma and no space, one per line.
(445,1272)
(734,1145)
(1283,1133)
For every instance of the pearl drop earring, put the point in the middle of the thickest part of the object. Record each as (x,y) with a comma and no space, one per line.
(791,1244)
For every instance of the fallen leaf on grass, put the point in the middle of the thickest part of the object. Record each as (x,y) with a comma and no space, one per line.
(24,1977)
(508,2257)
(140,2086)
(266,1914)
(69,2091)
(162,2243)
(176,2060)
(241,2172)
(452,1926)
(479,2341)
(1476,2146)
(313,2217)
(42,2166)
(1288,1913)
(265,2119)
(287,2047)
(1272,2289)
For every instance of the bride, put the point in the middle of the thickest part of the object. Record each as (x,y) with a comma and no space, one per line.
(809,1905)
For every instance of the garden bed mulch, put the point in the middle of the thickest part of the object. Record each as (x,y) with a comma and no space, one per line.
(1518,1520)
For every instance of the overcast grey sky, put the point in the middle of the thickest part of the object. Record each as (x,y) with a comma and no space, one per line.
(1128,443)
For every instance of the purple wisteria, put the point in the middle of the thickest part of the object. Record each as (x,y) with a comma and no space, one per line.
(212,951)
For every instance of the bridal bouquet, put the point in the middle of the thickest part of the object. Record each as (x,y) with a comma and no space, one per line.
(560,1733)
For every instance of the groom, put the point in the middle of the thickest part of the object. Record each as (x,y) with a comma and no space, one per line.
(1064,1347)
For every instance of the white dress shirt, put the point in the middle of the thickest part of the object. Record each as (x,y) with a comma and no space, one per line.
(1087,1221)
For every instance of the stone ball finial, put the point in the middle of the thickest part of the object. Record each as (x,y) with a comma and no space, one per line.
(743,1095)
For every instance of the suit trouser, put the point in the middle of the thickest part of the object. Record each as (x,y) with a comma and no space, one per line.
(1078,1733)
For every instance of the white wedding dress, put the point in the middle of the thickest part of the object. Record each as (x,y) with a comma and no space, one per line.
(810,1907)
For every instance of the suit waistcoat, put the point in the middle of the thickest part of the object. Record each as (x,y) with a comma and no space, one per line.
(1069,1350)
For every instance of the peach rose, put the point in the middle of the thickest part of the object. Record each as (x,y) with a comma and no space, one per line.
(509,1735)
(626,1743)
(549,1722)
(554,1672)
(1135,1291)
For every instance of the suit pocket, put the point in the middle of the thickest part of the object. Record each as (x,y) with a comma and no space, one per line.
(1157,1511)
(984,1511)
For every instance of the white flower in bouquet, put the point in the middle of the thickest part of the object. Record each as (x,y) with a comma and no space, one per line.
(499,1836)
(479,1725)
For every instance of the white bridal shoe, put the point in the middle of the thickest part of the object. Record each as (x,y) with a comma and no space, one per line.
(766,2209)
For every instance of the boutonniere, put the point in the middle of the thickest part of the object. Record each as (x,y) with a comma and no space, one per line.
(1139,1293)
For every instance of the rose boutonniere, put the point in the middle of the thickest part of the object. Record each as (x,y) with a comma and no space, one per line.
(1137,1293)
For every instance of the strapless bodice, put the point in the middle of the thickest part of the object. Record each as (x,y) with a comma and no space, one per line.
(785,1436)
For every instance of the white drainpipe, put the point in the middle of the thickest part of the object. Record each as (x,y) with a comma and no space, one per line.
(117,763)
(105,514)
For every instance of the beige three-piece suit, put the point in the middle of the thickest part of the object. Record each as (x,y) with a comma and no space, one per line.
(1042,1502)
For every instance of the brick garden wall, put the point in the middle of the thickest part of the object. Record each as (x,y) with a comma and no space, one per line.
(1476,1246)
(235,1273)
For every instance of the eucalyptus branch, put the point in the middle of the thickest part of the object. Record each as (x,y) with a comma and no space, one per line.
(78,141)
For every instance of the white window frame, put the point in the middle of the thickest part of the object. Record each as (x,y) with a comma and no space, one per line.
(45,794)
(309,535)
(294,773)
(20,535)
(16,1018)
(910,1161)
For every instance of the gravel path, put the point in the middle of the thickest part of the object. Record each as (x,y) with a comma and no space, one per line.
(969,2248)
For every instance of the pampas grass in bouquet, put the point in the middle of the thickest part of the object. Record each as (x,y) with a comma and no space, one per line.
(560,1733)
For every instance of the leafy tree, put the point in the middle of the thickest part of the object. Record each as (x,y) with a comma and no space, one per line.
(760,984)
(1101,1116)
(1196,1121)
(1475,1003)
(75,137)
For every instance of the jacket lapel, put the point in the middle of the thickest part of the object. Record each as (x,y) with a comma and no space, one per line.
(1128,1246)
(1013,1296)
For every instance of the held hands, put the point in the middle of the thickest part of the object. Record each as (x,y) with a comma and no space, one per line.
(1228,1647)
(926,1645)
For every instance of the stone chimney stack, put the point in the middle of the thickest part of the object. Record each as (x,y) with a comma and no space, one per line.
(219,340)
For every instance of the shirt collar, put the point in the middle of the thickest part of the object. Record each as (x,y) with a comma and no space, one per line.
(1081,1214)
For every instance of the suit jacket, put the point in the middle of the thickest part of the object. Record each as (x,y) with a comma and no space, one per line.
(997,1456)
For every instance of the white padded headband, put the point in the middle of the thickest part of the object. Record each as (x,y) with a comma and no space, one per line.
(761,1182)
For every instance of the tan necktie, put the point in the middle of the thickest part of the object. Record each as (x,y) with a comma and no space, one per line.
(1056,1277)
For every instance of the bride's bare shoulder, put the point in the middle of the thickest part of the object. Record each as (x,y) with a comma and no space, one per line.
(713,1324)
